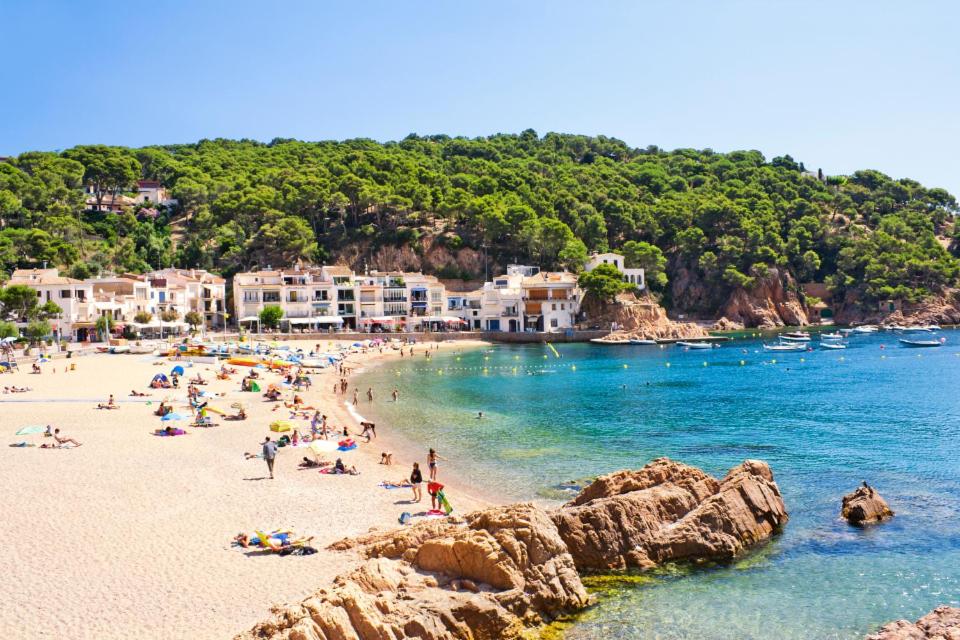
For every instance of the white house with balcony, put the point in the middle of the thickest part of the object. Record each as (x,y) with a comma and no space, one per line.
(310,297)
(631,276)
(74,297)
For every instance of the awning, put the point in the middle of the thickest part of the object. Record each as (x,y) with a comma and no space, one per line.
(453,319)
(379,320)
(317,320)
(250,319)
(427,319)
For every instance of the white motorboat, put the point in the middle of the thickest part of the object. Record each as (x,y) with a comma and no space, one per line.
(846,332)
(642,341)
(831,336)
(796,336)
(784,347)
(921,343)
(916,329)
(867,328)
(696,345)
(608,342)
(832,345)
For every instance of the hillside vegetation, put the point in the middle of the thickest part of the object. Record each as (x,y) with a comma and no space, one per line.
(717,219)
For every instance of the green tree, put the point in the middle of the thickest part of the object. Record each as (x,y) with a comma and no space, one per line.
(104,327)
(8,329)
(143,317)
(37,330)
(603,282)
(19,302)
(270,316)
(643,255)
(193,319)
(169,315)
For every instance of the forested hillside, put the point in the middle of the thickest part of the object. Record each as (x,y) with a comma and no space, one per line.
(716,219)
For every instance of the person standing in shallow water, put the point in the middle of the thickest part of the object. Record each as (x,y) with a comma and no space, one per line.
(356,396)
(416,479)
(369,394)
(433,459)
(396,395)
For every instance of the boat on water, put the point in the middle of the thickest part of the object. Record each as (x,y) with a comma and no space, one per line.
(916,330)
(831,336)
(832,345)
(933,327)
(796,336)
(784,347)
(920,343)
(608,342)
(846,332)
(642,341)
(696,345)
(867,328)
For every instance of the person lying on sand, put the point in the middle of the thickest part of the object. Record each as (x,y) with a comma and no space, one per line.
(340,469)
(137,394)
(62,441)
(198,380)
(307,463)
(110,404)
(239,415)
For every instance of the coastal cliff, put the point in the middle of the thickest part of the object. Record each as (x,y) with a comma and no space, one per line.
(771,301)
(499,572)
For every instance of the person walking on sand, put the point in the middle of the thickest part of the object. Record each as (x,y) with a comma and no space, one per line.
(356,395)
(396,395)
(269,454)
(416,479)
(433,460)
(369,394)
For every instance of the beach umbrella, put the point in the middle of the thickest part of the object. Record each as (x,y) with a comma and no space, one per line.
(173,415)
(323,446)
(30,429)
(177,370)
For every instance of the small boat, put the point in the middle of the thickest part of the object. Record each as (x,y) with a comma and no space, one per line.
(920,343)
(120,349)
(642,341)
(933,327)
(846,332)
(784,347)
(832,345)
(867,328)
(696,345)
(608,342)
(915,330)
(796,336)
(831,336)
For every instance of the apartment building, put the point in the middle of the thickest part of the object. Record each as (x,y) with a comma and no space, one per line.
(74,297)
(311,297)
(186,290)
(551,301)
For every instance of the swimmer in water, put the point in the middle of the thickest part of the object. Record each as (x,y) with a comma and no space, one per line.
(479,415)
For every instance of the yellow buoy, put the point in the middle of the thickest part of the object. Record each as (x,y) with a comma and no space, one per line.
(458,358)
(625,366)
(742,362)
(774,361)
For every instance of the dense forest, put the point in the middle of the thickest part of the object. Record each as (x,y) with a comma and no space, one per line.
(719,218)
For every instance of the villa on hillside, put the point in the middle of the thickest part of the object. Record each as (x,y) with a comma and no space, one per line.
(631,276)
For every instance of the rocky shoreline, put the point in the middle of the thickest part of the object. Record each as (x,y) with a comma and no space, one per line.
(503,571)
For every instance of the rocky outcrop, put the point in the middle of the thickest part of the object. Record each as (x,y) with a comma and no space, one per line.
(864,506)
(726,324)
(772,301)
(668,511)
(943,623)
(943,308)
(640,318)
(499,572)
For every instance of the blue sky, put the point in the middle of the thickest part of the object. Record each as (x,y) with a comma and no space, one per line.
(838,85)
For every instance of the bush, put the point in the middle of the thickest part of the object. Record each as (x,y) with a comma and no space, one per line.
(270,316)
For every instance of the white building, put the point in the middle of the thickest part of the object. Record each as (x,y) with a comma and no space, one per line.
(551,301)
(74,297)
(311,297)
(632,276)
(186,290)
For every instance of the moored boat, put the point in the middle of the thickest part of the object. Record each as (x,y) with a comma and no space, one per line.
(867,328)
(832,345)
(696,345)
(831,336)
(920,343)
(608,342)
(796,336)
(642,341)
(784,347)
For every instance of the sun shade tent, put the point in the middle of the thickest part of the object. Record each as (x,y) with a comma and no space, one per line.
(279,426)
(173,415)
(177,370)
(160,378)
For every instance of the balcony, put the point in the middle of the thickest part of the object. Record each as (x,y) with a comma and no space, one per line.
(509,313)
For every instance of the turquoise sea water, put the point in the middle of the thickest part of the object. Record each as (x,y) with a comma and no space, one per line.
(824,420)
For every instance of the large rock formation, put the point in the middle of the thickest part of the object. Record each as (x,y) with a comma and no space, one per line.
(640,318)
(943,623)
(668,511)
(864,506)
(772,301)
(499,572)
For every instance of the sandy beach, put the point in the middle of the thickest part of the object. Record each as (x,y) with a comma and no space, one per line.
(129,535)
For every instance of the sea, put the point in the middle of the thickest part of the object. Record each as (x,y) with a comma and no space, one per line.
(554,416)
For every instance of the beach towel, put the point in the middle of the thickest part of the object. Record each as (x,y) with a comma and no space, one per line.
(22,444)
(28,430)
(393,485)
(347,448)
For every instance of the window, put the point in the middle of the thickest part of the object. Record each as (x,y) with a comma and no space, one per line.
(81,294)
(251,296)
(271,296)
(553,323)
(65,293)
(554,306)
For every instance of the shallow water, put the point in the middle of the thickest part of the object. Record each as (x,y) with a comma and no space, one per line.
(824,420)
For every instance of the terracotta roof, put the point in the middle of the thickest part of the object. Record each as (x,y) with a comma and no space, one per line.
(40,276)
(556,277)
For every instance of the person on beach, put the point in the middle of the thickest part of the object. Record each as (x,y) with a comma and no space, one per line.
(369,394)
(369,430)
(396,395)
(62,441)
(386,458)
(416,479)
(356,396)
(269,454)
(433,460)
(111,404)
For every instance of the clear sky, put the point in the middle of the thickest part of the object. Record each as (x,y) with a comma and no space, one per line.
(838,85)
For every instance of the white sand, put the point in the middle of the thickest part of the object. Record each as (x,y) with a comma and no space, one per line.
(129,535)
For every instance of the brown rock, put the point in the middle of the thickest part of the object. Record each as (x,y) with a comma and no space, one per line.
(669,511)
(865,506)
(771,302)
(498,572)
(640,318)
(943,623)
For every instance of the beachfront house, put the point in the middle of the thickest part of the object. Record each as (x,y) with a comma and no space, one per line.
(73,296)
(551,301)
(204,293)
(630,276)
